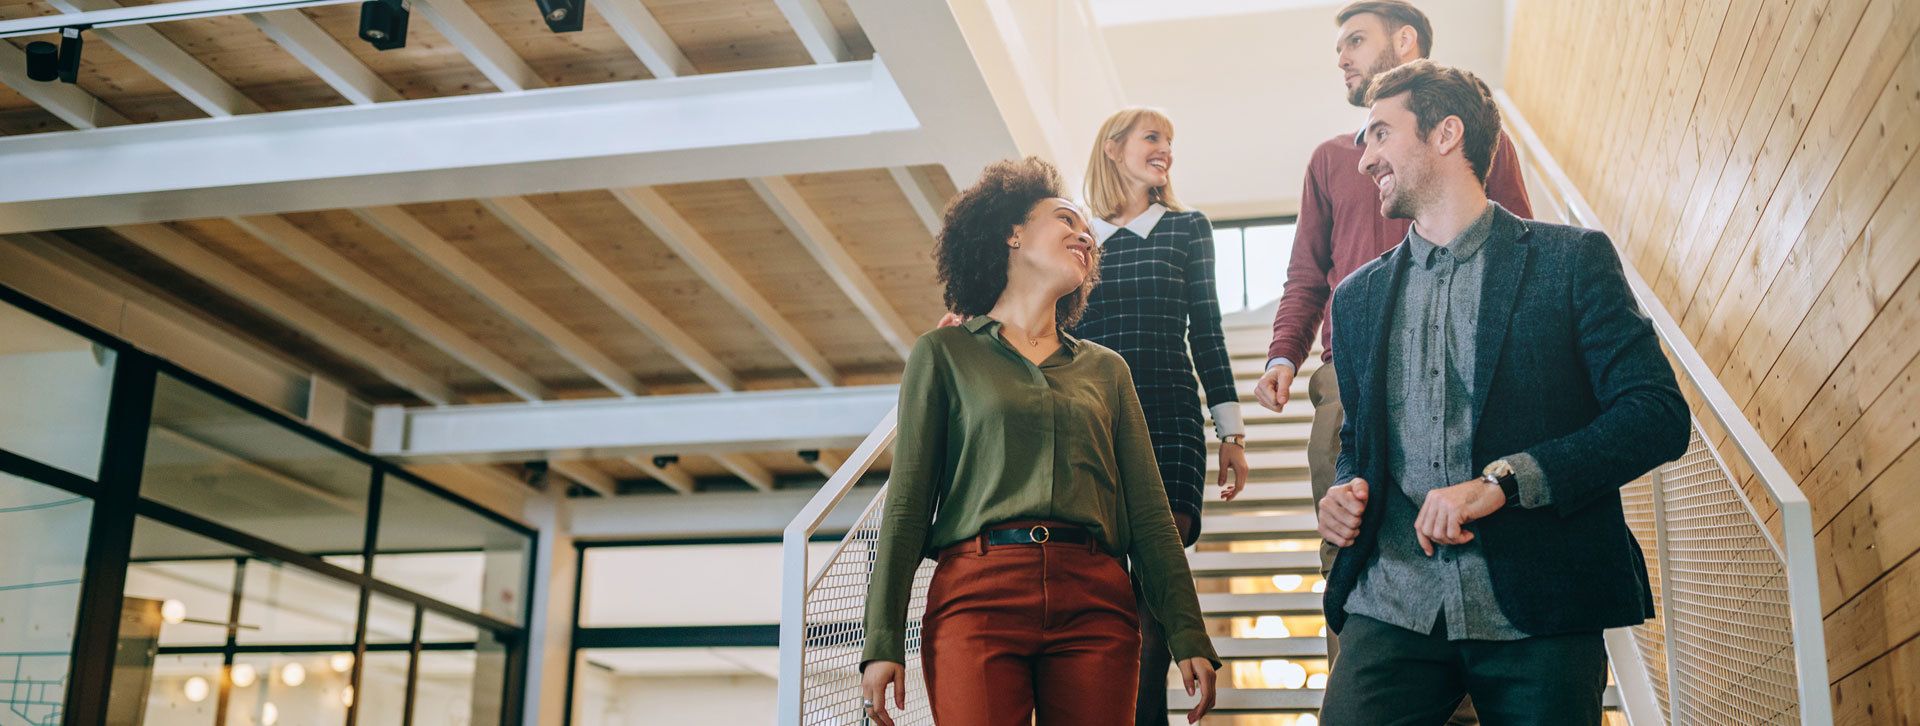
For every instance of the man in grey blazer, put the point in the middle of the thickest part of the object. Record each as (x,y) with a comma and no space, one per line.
(1510,386)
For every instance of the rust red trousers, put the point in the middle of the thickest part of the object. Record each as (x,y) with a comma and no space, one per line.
(1015,631)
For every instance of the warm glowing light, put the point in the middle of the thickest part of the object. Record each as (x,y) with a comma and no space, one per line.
(341,662)
(1317,680)
(293,675)
(1284,673)
(346,697)
(1307,719)
(1270,626)
(1323,631)
(173,611)
(1319,585)
(197,689)
(244,674)
(1288,583)
(269,715)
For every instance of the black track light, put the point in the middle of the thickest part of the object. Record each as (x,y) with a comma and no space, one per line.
(383,23)
(563,16)
(810,455)
(47,62)
(665,460)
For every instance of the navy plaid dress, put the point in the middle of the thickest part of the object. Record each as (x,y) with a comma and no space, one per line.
(1156,300)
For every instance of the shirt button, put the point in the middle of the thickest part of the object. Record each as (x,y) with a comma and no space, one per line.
(1436,465)
(1436,419)
(1435,373)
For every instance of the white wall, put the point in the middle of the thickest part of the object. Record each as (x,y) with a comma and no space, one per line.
(609,700)
(1251,94)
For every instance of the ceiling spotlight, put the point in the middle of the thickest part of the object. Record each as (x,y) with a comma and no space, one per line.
(173,612)
(563,16)
(293,675)
(340,662)
(47,62)
(197,689)
(244,675)
(665,460)
(383,23)
(810,455)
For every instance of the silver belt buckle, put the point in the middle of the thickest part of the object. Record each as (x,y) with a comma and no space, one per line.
(1040,534)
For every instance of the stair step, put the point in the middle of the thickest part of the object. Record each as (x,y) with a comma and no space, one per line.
(1269,464)
(1214,604)
(1297,410)
(1242,527)
(1263,495)
(1253,564)
(1262,648)
(1281,700)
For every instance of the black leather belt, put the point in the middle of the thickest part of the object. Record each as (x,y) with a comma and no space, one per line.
(1038,534)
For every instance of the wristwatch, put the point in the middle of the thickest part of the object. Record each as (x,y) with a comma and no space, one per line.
(1239,440)
(1500,474)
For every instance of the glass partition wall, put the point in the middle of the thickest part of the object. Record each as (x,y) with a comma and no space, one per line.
(179,556)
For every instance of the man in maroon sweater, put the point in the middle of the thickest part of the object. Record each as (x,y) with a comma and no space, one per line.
(1340,228)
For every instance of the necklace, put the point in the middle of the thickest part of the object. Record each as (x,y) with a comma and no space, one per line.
(1034,340)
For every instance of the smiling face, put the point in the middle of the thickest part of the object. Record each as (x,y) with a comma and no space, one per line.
(1056,247)
(1364,49)
(1144,155)
(1398,160)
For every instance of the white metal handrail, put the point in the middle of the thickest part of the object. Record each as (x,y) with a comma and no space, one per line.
(1739,638)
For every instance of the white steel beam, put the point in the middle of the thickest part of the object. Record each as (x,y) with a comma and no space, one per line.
(816,31)
(712,514)
(827,463)
(925,203)
(610,428)
(65,100)
(826,248)
(585,475)
(307,42)
(607,285)
(436,251)
(747,469)
(676,479)
(698,253)
(174,67)
(190,256)
(635,24)
(838,117)
(164,12)
(318,258)
(478,41)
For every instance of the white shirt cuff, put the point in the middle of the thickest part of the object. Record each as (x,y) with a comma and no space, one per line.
(1227,420)
(1281,361)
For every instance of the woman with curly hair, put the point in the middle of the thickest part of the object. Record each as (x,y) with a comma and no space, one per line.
(1155,302)
(1024,467)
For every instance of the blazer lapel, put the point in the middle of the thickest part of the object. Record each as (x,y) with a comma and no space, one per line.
(1383,294)
(1499,293)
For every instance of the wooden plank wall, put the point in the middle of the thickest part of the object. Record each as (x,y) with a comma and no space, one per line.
(1755,159)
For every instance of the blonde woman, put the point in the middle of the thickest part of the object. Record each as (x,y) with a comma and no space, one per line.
(1155,302)
(1023,466)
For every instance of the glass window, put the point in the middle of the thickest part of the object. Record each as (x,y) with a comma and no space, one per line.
(383,688)
(284,605)
(56,385)
(185,691)
(186,578)
(43,533)
(462,682)
(438,548)
(630,686)
(735,584)
(1269,249)
(212,459)
(1229,266)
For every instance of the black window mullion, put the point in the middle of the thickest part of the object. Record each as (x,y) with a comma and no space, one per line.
(110,540)
(375,497)
(230,650)
(413,664)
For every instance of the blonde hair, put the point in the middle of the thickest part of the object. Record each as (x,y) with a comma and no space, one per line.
(1106,189)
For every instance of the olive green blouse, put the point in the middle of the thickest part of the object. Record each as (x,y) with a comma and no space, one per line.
(986,436)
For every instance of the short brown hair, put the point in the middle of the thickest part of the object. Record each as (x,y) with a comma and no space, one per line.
(972,254)
(1435,92)
(1396,14)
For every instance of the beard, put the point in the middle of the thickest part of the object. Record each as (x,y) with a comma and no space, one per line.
(1386,62)
(1404,202)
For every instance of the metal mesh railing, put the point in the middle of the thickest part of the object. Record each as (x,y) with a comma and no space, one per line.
(1730,624)
(1637,501)
(836,603)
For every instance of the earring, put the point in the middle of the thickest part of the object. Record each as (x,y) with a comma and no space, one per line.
(1016,245)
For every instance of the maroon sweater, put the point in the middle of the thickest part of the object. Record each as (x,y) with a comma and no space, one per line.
(1340,229)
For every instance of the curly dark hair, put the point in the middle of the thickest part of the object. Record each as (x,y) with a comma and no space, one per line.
(972,252)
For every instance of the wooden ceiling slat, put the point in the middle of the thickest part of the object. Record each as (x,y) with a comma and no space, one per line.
(127,89)
(408,232)
(538,230)
(429,66)
(815,30)
(483,47)
(70,104)
(920,196)
(868,212)
(831,254)
(182,72)
(696,249)
(643,35)
(318,257)
(183,253)
(308,43)
(674,477)
(851,34)
(719,36)
(593,54)
(747,470)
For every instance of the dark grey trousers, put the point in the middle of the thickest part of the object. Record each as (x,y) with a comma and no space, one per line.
(1390,676)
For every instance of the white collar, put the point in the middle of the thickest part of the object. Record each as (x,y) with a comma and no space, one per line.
(1142,225)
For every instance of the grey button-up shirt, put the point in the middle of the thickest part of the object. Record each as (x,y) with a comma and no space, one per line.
(1429,388)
